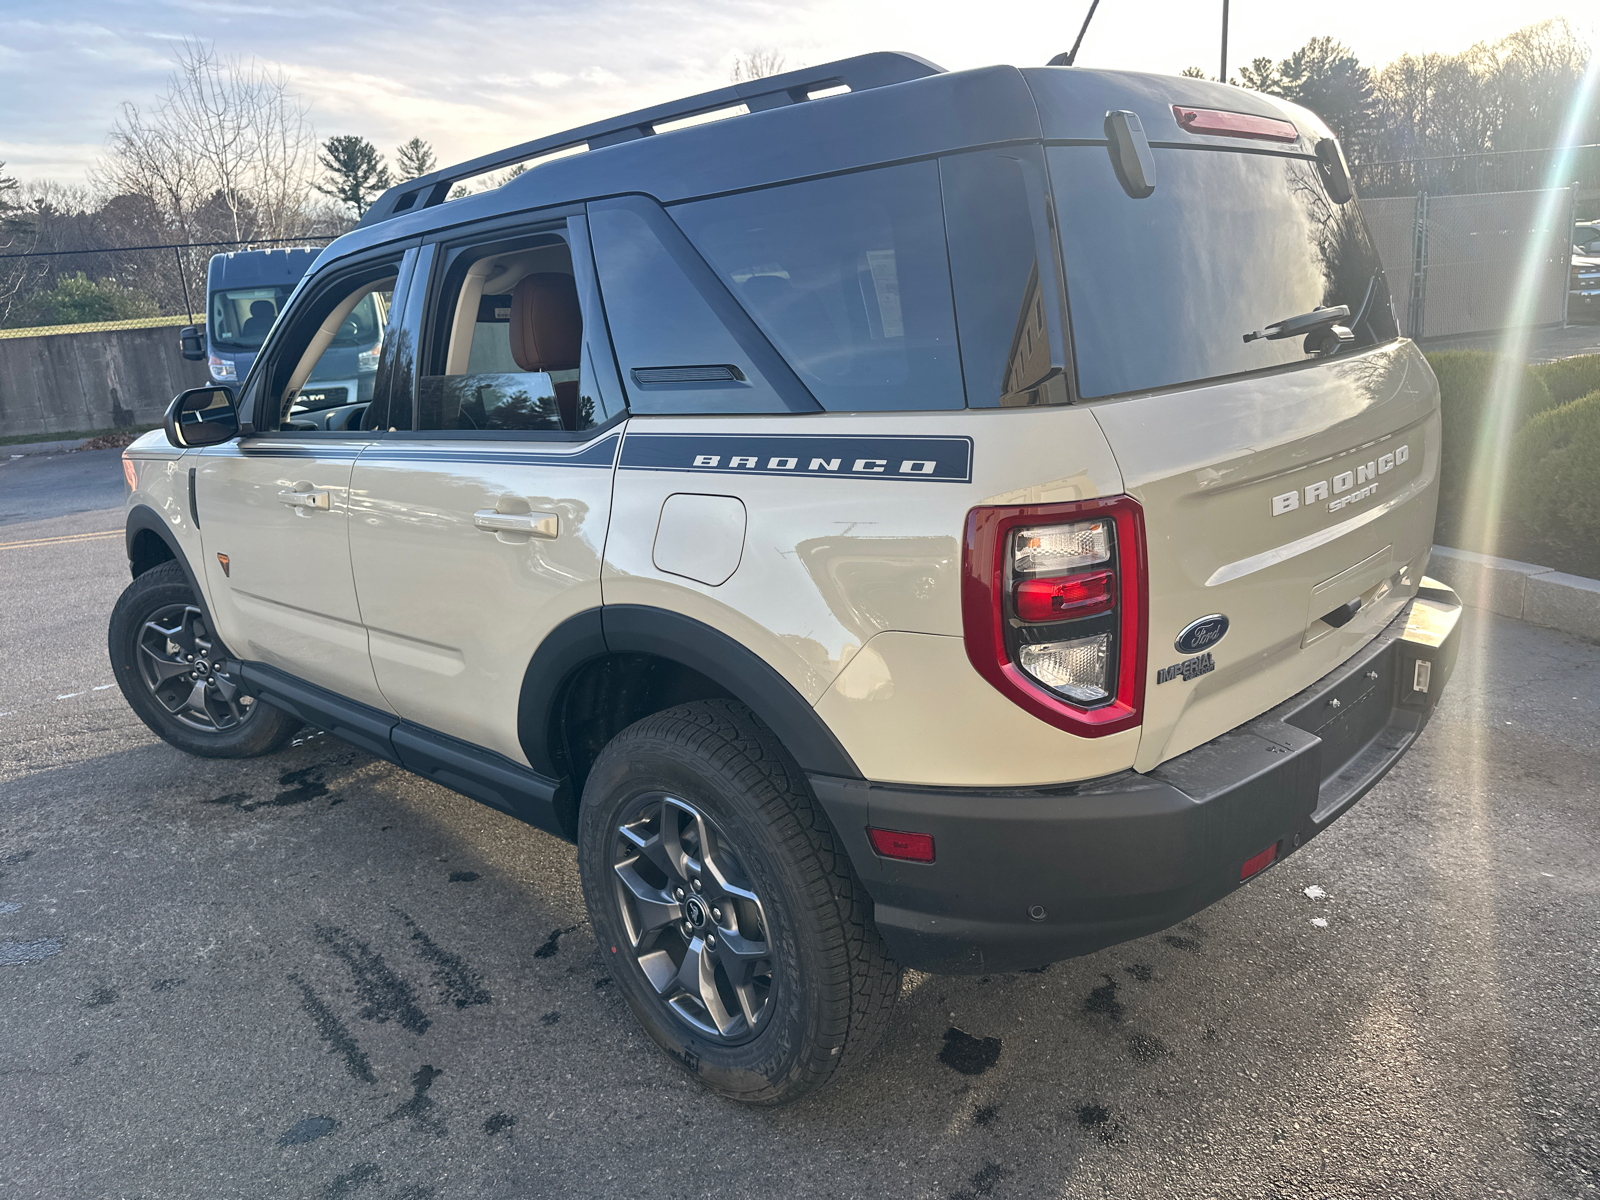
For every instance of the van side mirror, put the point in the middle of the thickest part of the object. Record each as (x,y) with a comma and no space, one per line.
(205,416)
(192,342)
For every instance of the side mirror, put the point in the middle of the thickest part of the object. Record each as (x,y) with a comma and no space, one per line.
(192,341)
(203,416)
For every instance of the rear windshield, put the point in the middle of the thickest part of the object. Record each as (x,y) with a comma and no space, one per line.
(1162,290)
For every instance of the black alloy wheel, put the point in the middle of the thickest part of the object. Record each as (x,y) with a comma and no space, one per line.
(694,922)
(179,678)
(734,926)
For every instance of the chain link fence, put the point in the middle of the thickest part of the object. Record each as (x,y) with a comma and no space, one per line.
(169,277)
(1497,171)
(1454,261)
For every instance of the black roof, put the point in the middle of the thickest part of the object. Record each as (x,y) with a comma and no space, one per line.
(899,107)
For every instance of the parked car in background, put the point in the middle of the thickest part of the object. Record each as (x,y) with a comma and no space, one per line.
(1583,296)
(245,292)
(1586,237)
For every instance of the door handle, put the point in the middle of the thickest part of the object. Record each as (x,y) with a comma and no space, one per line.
(539,524)
(294,499)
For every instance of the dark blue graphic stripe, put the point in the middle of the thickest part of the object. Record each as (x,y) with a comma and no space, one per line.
(599,454)
(940,459)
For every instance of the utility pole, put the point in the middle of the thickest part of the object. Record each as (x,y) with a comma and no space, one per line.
(1222,75)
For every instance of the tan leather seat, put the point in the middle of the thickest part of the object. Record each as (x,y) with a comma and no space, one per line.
(547,333)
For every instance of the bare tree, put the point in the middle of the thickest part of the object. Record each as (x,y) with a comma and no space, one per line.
(17,234)
(756,63)
(227,150)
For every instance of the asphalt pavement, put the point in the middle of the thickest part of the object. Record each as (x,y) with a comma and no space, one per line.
(316,976)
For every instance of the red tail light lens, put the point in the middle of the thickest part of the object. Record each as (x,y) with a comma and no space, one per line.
(1062,599)
(1259,862)
(1054,609)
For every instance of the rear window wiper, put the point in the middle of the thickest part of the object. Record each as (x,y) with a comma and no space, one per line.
(1325,335)
(1303,323)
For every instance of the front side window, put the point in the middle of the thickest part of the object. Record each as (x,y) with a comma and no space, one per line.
(328,362)
(507,342)
(1163,289)
(850,280)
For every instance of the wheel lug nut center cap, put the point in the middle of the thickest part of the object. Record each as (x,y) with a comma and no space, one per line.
(697,913)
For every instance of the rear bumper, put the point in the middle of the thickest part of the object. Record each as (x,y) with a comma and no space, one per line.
(1117,858)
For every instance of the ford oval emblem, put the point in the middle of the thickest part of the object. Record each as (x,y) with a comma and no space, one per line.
(1202,634)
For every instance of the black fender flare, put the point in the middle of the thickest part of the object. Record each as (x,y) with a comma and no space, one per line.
(144,519)
(643,629)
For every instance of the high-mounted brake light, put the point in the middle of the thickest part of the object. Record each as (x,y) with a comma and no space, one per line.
(1053,609)
(1234,124)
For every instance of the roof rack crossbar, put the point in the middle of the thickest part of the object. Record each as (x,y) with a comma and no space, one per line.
(859,74)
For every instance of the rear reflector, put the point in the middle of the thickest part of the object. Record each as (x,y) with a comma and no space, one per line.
(1254,866)
(912,847)
(1232,124)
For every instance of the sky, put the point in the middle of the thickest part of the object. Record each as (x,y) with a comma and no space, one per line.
(473,77)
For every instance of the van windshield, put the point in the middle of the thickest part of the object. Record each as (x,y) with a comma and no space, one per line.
(241,317)
(1162,290)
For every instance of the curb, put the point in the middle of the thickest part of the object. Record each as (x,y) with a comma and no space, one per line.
(1524,591)
(23,448)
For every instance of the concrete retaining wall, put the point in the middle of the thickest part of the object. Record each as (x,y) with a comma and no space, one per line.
(55,383)
(1526,591)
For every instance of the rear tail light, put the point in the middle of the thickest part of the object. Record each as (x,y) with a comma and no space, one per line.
(1054,609)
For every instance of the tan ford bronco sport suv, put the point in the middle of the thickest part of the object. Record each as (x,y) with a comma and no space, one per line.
(949,520)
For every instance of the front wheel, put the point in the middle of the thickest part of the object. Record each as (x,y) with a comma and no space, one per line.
(176,675)
(739,933)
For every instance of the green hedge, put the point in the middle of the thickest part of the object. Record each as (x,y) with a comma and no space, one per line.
(1555,473)
(1570,378)
(1464,380)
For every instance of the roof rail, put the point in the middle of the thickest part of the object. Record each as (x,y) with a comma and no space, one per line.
(858,74)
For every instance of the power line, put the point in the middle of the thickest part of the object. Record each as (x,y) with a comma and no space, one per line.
(310,237)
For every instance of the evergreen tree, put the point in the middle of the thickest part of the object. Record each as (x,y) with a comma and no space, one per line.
(356,173)
(414,160)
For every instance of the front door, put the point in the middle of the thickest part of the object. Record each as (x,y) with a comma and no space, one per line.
(479,530)
(273,508)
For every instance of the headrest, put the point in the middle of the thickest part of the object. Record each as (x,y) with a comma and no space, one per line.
(546,323)
(263,308)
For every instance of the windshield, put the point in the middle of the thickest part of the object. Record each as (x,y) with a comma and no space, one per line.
(1162,290)
(241,317)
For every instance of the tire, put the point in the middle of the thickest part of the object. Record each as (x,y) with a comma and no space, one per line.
(705,791)
(217,719)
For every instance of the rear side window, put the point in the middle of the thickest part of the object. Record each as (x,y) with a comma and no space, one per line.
(849,279)
(1162,290)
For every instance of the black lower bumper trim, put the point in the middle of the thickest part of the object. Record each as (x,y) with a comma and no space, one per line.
(1024,877)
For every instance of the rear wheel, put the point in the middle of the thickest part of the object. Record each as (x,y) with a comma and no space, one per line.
(175,673)
(739,933)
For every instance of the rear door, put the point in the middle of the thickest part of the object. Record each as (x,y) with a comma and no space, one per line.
(480,518)
(1288,498)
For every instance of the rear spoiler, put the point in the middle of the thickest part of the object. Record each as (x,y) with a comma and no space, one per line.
(857,74)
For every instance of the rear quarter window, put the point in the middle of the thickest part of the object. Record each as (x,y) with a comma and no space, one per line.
(848,278)
(1163,289)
